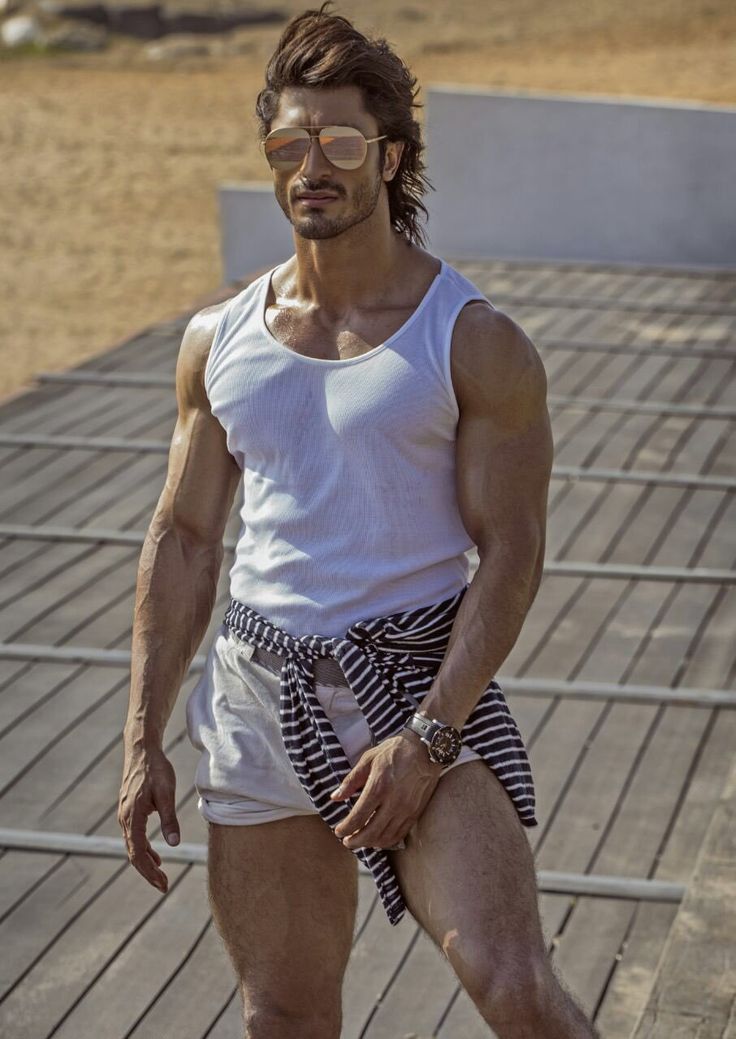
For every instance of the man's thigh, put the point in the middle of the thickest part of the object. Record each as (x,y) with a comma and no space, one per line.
(284,897)
(467,874)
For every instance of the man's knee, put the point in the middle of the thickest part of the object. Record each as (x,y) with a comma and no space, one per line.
(518,994)
(514,986)
(269,1019)
(515,990)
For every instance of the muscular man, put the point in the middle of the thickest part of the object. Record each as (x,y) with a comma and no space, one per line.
(384,418)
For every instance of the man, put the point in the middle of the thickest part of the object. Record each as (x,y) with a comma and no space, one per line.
(385,418)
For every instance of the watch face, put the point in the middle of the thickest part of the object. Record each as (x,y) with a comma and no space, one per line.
(445,745)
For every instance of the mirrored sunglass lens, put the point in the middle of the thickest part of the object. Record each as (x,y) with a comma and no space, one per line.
(345,149)
(286,148)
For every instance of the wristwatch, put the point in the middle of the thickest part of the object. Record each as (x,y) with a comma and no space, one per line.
(443,742)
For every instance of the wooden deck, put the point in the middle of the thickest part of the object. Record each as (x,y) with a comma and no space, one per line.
(622,682)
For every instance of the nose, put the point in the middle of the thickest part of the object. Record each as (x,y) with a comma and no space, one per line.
(315,164)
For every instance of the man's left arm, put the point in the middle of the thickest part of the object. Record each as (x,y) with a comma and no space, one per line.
(503,464)
(504,459)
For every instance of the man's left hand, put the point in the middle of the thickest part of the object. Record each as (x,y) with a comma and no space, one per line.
(397,779)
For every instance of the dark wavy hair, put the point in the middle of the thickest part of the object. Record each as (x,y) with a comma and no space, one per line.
(319,49)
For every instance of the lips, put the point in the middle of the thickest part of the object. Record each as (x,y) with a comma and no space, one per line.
(319,196)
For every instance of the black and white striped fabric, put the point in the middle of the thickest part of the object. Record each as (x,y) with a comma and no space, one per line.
(390,663)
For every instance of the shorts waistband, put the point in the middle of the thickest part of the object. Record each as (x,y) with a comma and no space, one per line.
(326,670)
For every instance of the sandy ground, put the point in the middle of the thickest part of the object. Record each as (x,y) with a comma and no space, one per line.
(110,163)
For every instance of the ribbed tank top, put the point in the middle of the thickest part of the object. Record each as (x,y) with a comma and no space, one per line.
(349,506)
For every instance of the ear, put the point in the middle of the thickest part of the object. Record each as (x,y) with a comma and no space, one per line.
(392,159)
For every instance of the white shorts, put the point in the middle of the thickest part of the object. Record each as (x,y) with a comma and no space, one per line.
(244,774)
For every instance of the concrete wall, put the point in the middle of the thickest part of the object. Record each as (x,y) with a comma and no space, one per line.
(533,176)
(541,176)
(254,232)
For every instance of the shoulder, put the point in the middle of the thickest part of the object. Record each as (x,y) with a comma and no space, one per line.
(495,365)
(194,352)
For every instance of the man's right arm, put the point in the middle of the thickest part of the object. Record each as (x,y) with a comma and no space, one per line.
(175,594)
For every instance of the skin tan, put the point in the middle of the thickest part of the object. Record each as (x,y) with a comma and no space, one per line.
(467,871)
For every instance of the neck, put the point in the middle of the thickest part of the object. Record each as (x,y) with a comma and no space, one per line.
(356,267)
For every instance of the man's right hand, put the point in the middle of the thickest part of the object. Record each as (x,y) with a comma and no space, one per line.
(149,785)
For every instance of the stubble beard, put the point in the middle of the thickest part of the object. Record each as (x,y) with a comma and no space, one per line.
(318,225)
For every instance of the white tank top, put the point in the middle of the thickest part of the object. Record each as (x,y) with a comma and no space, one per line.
(349,500)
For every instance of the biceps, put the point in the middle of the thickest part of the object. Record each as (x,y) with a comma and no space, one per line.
(502,483)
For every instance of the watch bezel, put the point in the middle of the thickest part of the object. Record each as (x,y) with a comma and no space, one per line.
(440,733)
(428,729)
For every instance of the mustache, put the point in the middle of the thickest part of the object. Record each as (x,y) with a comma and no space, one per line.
(332,189)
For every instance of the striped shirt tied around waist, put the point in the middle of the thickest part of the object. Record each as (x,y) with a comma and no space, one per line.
(390,664)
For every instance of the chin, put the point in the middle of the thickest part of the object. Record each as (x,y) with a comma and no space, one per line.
(317,236)
(316,229)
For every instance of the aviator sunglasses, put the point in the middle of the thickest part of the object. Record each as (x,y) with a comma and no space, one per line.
(343,146)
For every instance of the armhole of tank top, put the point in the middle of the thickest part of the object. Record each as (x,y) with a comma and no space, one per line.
(447,349)
(216,341)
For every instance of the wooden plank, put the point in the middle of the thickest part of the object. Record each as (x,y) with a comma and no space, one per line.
(659,376)
(20,871)
(580,376)
(659,441)
(591,522)
(685,837)
(416,996)
(68,945)
(596,936)
(63,892)
(631,979)
(88,413)
(75,703)
(720,543)
(721,459)
(634,283)
(700,440)
(696,978)
(556,753)
(714,652)
(62,958)
(47,565)
(622,637)
(73,785)
(148,960)
(553,600)
(44,408)
(659,781)
(230,1023)
(590,944)
(692,530)
(43,470)
(379,950)
(88,575)
(628,440)
(715,381)
(28,687)
(563,649)
(571,833)
(154,347)
(589,305)
(189,1004)
(581,441)
(566,423)
(676,634)
(588,966)
(39,499)
(462,1019)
